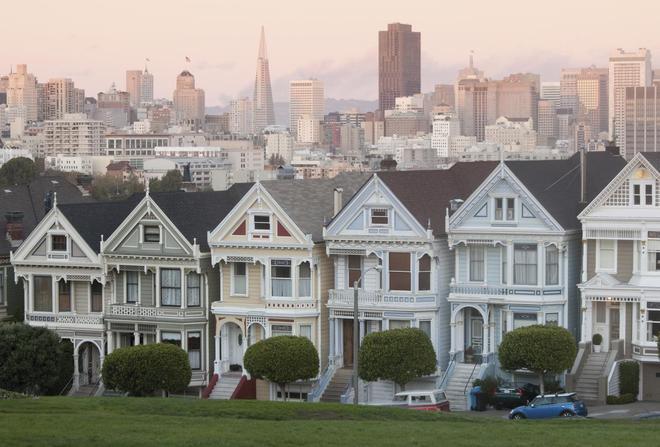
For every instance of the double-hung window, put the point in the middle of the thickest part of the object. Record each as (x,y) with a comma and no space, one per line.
(304,280)
(551,265)
(525,261)
(477,261)
(132,287)
(606,255)
(193,289)
(400,276)
(239,278)
(261,222)
(64,296)
(305,330)
(642,194)
(97,297)
(354,270)
(58,242)
(505,209)
(379,216)
(424,273)
(151,233)
(170,287)
(280,272)
(195,349)
(43,293)
(277,330)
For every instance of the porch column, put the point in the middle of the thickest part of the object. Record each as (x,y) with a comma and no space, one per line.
(216,360)
(110,342)
(136,338)
(54,292)
(622,322)
(635,323)
(362,330)
(331,337)
(30,290)
(452,336)
(584,260)
(486,339)
(76,374)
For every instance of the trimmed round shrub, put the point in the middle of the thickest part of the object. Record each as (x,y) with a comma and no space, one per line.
(399,355)
(144,369)
(629,378)
(33,360)
(540,349)
(282,360)
(597,339)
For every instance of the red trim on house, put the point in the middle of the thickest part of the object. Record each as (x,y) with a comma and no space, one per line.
(246,389)
(209,388)
(240,230)
(281,231)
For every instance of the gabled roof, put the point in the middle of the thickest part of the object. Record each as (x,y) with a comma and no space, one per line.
(426,194)
(310,203)
(192,213)
(29,199)
(556,183)
(653,158)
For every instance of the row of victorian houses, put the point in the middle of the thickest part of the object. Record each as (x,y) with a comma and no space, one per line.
(464,254)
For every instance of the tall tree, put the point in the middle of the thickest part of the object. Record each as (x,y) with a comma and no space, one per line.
(18,171)
(170,182)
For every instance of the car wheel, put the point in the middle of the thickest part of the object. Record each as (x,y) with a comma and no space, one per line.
(517,416)
(566,414)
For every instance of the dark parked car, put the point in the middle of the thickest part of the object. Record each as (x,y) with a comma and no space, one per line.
(512,396)
(551,406)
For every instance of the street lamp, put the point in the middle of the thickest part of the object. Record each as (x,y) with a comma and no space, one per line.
(356,330)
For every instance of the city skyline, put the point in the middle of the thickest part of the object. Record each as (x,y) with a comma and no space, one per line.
(222,56)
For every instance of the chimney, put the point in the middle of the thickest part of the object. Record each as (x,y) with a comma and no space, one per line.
(338,202)
(48,201)
(583,176)
(14,229)
(455,204)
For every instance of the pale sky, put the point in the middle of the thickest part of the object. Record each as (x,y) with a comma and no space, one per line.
(95,42)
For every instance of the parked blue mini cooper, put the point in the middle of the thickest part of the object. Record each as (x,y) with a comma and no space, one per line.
(550,406)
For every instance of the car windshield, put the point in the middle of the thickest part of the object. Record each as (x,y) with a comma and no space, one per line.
(539,401)
(403,398)
(440,396)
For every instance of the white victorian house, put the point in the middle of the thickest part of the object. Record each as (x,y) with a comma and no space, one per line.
(621,281)
(390,238)
(517,252)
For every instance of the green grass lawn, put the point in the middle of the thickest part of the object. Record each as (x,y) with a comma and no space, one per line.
(96,422)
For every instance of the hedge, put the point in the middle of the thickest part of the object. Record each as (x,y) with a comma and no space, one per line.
(622,399)
(629,377)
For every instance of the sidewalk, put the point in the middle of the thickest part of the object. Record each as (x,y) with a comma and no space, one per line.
(636,410)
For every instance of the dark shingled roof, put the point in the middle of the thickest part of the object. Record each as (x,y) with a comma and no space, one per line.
(426,194)
(29,199)
(193,213)
(556,183)
(653,158)
(310,203)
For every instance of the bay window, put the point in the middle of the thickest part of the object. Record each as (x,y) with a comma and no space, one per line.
(304,280)
(170,287)
(525,264)
(523,319)
(280,272)
(132,287)
(399,324)
(424,274)
(173,338)
(477,256)
(653,321)
(43,293)
(551,265)
(400,275)
(193,289)
(606,255)
(280,329)
(305,331)
(239,278)
(63,296)
(354,270)
(195,349)
(425,326)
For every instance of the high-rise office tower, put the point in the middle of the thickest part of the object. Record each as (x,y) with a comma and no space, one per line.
(134,86)
(240,117)
(61,98)
(146,87)
(548,125)
(642,120)
(399,66)
(305,98)
(591,89)
(472,104)
(22,91)
(551,91)
(517,96)
(264,112)
(568,89)
(445,127)
(188,101)
(626,70)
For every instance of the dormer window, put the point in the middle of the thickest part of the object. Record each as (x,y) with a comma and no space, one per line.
(379,216)
(505,209)
(261,222)
(151,233)
(643,194)
(58,242)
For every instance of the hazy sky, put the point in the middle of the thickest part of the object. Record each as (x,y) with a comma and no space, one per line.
(95,41)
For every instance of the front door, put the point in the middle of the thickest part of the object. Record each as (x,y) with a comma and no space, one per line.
(614,323)
(348,342)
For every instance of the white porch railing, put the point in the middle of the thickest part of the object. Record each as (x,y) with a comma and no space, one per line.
(73,319)
(344,297)
(131,311)
(472,289)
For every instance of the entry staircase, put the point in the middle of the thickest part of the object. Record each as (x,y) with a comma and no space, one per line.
(337,386)
(459,385)
(84,391)
(587,382)
(225,386)
(589,375)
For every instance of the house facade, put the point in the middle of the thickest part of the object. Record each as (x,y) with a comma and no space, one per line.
(517,248)
(620,283)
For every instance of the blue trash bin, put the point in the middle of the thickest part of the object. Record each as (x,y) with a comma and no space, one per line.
(473,397)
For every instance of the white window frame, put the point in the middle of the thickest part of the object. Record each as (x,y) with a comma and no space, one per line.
(642,193)
(139,288)
(545,265)
(388,215)
(469,263)
(49,243)
(144,233)
(599,268)
(504,198)
(292,277)
(232,283)
(201,348)
(253,231)
(311,332)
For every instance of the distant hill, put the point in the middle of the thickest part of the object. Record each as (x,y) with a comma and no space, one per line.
(331,105)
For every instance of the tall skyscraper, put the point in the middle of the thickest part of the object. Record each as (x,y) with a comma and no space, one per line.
(568,89)
(134,86)
(146,88)
(642,120)
(241,115)
(551,91)
(61,98)
(591,89)
(264,113)
(516,96)
(305,98)
(472,104)
(399,66)
(22,91)
(445,127)
(626,70)
(188,101)
(548,125)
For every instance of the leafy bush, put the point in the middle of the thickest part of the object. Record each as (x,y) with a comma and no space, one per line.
(144,369)
(33,360)
(540,349)
(282,360)
(551,385)
(622,399)
(18,171)
(629,378)
(488,384)
(597,339)
(399,355)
